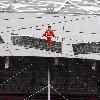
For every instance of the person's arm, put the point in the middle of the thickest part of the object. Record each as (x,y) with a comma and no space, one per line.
(53,34)
(44,33)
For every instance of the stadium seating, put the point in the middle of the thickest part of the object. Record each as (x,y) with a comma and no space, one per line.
(36,43)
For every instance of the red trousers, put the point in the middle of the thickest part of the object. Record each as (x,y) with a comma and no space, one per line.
(49,41)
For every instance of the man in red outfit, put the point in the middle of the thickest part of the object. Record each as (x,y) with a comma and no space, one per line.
(49,34)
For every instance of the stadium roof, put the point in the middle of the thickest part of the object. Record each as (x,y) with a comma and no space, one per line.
(51,6)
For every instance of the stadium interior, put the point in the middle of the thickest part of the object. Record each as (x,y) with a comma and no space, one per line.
(26,78)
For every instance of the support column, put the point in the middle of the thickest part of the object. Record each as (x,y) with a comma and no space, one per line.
(56,61)
(48,83)
(7,62)
(93,65)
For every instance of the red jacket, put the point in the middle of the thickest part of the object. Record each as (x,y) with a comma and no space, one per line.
(48,33)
